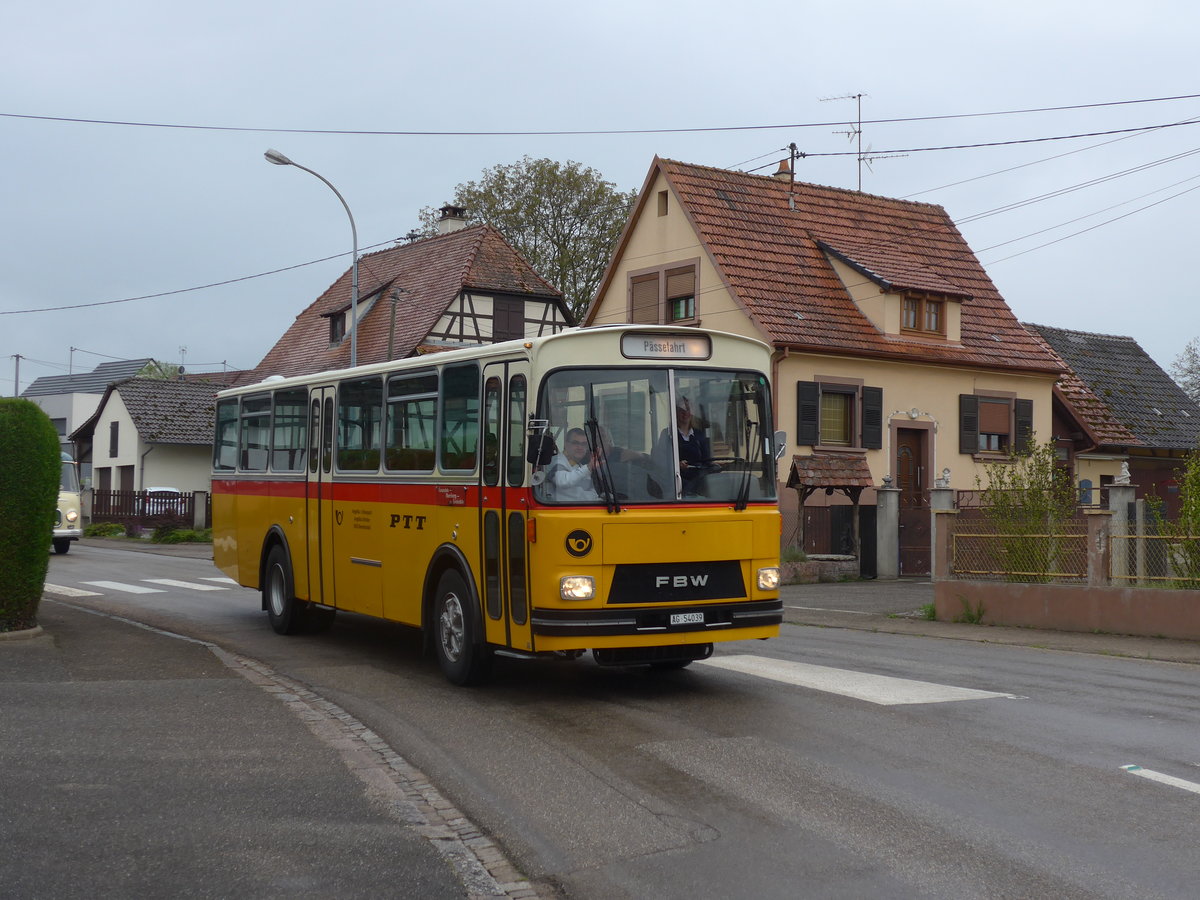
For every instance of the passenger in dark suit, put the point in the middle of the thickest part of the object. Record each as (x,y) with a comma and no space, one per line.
(695,455)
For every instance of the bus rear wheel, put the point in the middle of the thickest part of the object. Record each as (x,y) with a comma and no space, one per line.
(458,643)
(284,611)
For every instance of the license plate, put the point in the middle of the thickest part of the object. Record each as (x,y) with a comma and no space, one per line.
(687,618)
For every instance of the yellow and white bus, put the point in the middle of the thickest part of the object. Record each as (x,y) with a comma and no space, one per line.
(67,523)
(434,491)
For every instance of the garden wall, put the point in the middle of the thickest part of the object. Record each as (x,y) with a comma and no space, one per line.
(1073,607)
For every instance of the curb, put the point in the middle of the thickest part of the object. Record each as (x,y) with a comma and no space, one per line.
(23,635)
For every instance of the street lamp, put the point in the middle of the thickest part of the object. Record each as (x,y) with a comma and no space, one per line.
(274,156)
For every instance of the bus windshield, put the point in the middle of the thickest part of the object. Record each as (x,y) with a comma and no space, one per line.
(69,480)
(629,436)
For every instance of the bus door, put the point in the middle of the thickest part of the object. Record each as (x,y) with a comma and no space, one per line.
(503,506)
(319,505)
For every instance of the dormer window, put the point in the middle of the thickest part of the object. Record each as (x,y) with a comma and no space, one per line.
(337,327)
(923,314)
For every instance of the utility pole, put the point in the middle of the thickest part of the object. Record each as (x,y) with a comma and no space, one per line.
(17,376)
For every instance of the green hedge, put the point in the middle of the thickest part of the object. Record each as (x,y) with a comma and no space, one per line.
(29,479)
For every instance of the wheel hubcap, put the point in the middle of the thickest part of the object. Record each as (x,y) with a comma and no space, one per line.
(451,627)
(275,593)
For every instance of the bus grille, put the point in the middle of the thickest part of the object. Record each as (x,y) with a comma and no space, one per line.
(677,582)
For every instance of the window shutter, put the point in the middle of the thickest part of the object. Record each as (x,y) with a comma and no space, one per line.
(643,300)
(681,283)
(1023,420)
(968,423)
(872,418)
(808,412)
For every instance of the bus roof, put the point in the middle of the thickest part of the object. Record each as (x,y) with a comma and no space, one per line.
(527,346)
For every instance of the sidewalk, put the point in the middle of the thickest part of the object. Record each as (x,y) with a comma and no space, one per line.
(893,607)
(135,763)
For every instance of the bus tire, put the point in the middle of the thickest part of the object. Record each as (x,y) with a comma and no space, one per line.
(284,611)
(461,653)
(62,545)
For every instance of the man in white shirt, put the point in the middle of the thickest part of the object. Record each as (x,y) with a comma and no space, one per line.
(571,471)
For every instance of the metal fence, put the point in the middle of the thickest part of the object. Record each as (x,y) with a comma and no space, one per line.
(1155,560)
(981,551)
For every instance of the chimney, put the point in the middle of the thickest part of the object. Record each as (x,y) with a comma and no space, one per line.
(453,218)
(785,170)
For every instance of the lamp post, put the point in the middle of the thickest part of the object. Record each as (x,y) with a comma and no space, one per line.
(277,158)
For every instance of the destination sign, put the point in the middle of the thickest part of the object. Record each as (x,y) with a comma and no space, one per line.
(641,345)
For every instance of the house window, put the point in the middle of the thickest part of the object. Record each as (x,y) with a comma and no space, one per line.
(666,295)
(508,319)
(662,203)
(114,430)
(994,424)
(839,415)
(923,314)
(337,327)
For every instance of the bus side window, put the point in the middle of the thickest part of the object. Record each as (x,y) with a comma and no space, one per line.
(226,445)
(255,432)
(460,417)
(288,431)
(360,413)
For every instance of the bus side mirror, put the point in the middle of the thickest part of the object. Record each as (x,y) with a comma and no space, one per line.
(541,450)
(780,444)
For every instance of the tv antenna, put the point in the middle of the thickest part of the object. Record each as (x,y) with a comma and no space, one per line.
(854,133)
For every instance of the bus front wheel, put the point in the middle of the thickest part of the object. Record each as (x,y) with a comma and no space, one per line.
(460,651)
(283,609)
(62,545)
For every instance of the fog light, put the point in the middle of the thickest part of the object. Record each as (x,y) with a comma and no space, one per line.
(577,587)
(768,578)
(72,515)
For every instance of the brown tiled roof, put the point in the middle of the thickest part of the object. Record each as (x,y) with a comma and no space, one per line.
(772,258)
(432,273)
(825,469)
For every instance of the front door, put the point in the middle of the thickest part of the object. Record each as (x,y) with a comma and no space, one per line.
(911,469)
(319,496)
(503,506)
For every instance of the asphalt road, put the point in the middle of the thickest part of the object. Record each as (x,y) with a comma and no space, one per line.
(831,762)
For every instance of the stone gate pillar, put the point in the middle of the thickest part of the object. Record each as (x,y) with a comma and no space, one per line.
(887,531)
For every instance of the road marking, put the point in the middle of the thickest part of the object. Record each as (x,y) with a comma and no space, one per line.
(64,591)
(190,585)
(857,612)
(882,689)
(125,588)
(220,579)
(1163,779)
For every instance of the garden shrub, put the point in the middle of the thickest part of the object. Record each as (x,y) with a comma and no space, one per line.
(29,482)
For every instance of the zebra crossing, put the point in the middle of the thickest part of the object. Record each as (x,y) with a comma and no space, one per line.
(143,586)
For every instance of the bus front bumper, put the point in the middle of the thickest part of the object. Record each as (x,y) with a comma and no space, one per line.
(703,621)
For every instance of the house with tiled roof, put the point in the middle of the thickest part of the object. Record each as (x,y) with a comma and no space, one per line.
(895,355)
(69,399)
(465,285)
(1119,406)
(150,432)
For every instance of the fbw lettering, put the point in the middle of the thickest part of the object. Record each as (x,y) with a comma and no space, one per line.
(678,581)
(397,518)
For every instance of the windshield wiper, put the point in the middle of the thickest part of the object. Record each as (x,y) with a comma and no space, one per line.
(753,450)
(604,472)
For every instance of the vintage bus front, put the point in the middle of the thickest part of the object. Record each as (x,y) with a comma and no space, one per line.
(654,528)
(68,524)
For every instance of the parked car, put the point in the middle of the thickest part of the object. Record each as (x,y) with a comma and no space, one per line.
(163,501)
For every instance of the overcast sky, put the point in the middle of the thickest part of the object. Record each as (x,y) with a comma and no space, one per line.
(96,213)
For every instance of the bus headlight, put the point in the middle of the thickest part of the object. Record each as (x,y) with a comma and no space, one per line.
(577,587)
(768,578)
(72,515)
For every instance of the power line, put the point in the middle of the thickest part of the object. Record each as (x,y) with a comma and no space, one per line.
(570,132)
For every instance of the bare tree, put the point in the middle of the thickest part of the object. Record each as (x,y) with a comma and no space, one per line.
(564,218)
(1186,369)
